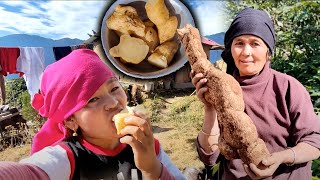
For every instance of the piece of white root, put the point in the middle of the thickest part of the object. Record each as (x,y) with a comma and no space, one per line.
(130,49)
(148,23)
(157,11)
(163,54)
(151,38)
(119,120)
(167,31)
(125,20)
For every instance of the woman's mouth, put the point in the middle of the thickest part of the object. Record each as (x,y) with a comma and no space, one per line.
(246,61)
(117,111)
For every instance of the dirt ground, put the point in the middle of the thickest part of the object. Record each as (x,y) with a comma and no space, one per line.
(179,144)
(177,140)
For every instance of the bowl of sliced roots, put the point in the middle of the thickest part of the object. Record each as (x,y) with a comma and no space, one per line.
(140,39)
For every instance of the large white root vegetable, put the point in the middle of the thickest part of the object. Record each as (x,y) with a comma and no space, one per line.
(238,134)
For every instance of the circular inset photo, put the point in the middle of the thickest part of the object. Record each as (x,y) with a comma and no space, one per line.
(139,36)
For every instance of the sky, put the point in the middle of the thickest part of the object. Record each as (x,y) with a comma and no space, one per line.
(210,15)
(75,19)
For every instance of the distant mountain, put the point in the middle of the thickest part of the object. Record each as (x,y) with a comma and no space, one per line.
(218,38)
(24,40)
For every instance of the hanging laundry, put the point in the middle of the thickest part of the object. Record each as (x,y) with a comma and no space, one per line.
(8,60)
(60,52)
(31,63)
(3,90)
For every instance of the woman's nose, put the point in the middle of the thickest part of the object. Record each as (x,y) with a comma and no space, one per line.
(110,102)
(247,50)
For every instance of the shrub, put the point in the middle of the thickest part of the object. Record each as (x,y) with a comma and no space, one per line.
(14,90)
(154,106)
(18,96)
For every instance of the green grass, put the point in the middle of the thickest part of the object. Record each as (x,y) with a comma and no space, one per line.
(315,178)
(154,107)
(187,111)
(184,111)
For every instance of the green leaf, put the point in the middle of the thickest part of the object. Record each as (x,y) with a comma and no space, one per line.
(215,168)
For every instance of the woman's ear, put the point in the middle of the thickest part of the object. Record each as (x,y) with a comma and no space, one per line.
(71,123)
(269,55)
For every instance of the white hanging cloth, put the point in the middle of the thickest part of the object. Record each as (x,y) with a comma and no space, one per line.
(31,63)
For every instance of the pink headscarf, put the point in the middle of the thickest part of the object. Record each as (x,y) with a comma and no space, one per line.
(66,87)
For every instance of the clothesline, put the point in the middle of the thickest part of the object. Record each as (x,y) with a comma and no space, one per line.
(29,63)
(59,51)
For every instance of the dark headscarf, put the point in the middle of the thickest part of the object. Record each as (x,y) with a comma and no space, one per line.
(248,21)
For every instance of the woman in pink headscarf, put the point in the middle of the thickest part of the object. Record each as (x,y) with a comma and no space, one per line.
(79,96)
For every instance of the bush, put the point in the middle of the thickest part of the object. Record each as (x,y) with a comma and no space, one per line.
(316,168)
(18,96)
(29,113)
(154,106)
(14,90)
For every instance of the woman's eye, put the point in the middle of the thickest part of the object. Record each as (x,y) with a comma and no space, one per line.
(238,43)
(115,88)
(255,44)
(93,100)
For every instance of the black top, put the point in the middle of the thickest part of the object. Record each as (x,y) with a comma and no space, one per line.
(89,165)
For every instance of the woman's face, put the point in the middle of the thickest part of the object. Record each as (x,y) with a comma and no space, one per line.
(249,53)
(95,119)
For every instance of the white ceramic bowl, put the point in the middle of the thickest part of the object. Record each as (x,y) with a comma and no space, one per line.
(144,70)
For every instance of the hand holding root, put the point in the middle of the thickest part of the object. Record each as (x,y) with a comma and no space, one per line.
(142,142)
(271,164)
(238,134)
(199,81)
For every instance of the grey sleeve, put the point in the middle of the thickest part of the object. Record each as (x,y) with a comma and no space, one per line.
(165,160)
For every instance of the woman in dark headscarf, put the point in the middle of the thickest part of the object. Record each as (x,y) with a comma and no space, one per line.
(279,106)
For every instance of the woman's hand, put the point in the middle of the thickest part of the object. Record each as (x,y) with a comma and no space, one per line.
(272,163)
(200,82)
(142,142)
(210,125)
